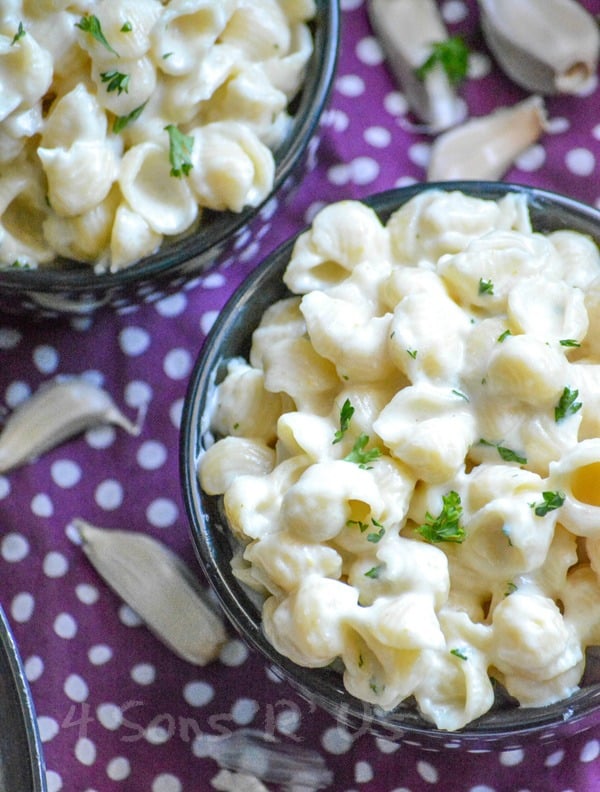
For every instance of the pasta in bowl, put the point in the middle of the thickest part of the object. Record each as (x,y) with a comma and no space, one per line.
(141,141)
(391,456)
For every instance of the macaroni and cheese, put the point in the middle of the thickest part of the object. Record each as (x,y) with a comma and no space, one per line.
(410,456)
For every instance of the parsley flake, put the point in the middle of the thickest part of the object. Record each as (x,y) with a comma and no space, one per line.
(91,24)
(116,81)
(180,151)
(121,122)
(346,414)
(18,35)
(507,454)
(452,55)
(359,455)
(460,653)
(551,501)
(446,526)
(503,335)
(374,572)
(510,588)
(127,27)
(567,405)
(486,286)
(376,536)
(569,342)
(412,353)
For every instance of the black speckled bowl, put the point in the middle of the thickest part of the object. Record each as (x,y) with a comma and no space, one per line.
(79,291)
(21,759)
(505,726)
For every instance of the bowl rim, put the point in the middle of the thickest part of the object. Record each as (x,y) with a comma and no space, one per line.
(573,714)
(311,102)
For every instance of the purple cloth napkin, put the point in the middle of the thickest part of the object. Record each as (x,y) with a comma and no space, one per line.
(116,709)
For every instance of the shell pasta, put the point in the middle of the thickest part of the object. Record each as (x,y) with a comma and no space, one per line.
(412,469)
(105,102)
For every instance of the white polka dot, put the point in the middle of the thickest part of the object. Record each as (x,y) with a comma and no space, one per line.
(143,673)
(99,654)
(118,769)
(482,788)
(215,280)
(55,565)
(166,783)
(395,103)
(361,170)
(110,716)
(337,740)
(65,626)
(48,728)
(134,341)
(580,161)
(368,51)
(162,513)
(336,119)
(17,393)
(207,320)
(175,412)
(590,751)
(363,772)
(350,85)
(15,547)
(109,494)
(87,593)
(22,607)
(386,746)
(172,306)
(555,758)
(34,668)
(65,473)
(177,364)
(419,153)
(512,758)
(454,11)
(198,694)
(41,505)
(45,359)
(85,751)
(427,772)
(350,5)
(378,137)
(101,437)
(557,125)
(480,65)
(138,394)
(158,734)
(532,159)
(129,617)
(4,487)
(151,455)
(288,721)
(53,781)
(9,337)
(234,653)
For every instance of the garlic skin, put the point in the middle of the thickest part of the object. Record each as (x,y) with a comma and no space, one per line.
(59,409)
(486,147)
(545,46)
(406,29)
(158,586)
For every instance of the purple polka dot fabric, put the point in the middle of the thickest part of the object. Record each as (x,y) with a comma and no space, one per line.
(116,709)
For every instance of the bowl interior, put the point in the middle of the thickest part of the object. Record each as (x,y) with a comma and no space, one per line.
(505,725)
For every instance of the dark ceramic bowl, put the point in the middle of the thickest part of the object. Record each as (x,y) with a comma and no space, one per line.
(79,291)
(506,726)
(21,759)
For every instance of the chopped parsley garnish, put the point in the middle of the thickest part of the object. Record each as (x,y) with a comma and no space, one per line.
(121,122)
(127,27)
(412,353)
(551,501)
(91,24)
(374,572)
(18,35)
(180,151)
(116,81)
(569,342)
(446,526)
(376,686)
(358,453)
(567,405)
(510,588)
(373,536)
(460,394)
(486,286)
(507,454)
(460,653)
(346,414)
(503,335)
(452,55)
(507,533)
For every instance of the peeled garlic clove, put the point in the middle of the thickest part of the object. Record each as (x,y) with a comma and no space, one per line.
(159,587)
(545,46)
(406,30)
(486,147)
(59,410)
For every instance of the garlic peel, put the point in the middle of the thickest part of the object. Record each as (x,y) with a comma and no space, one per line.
(485,147)
(406,31)
(545,46)
(158,586)
(58,410)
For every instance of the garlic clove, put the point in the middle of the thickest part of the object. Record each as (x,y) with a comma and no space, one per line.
(60,409)
(159,587)
(406,30)
(545,46)
(485,147)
